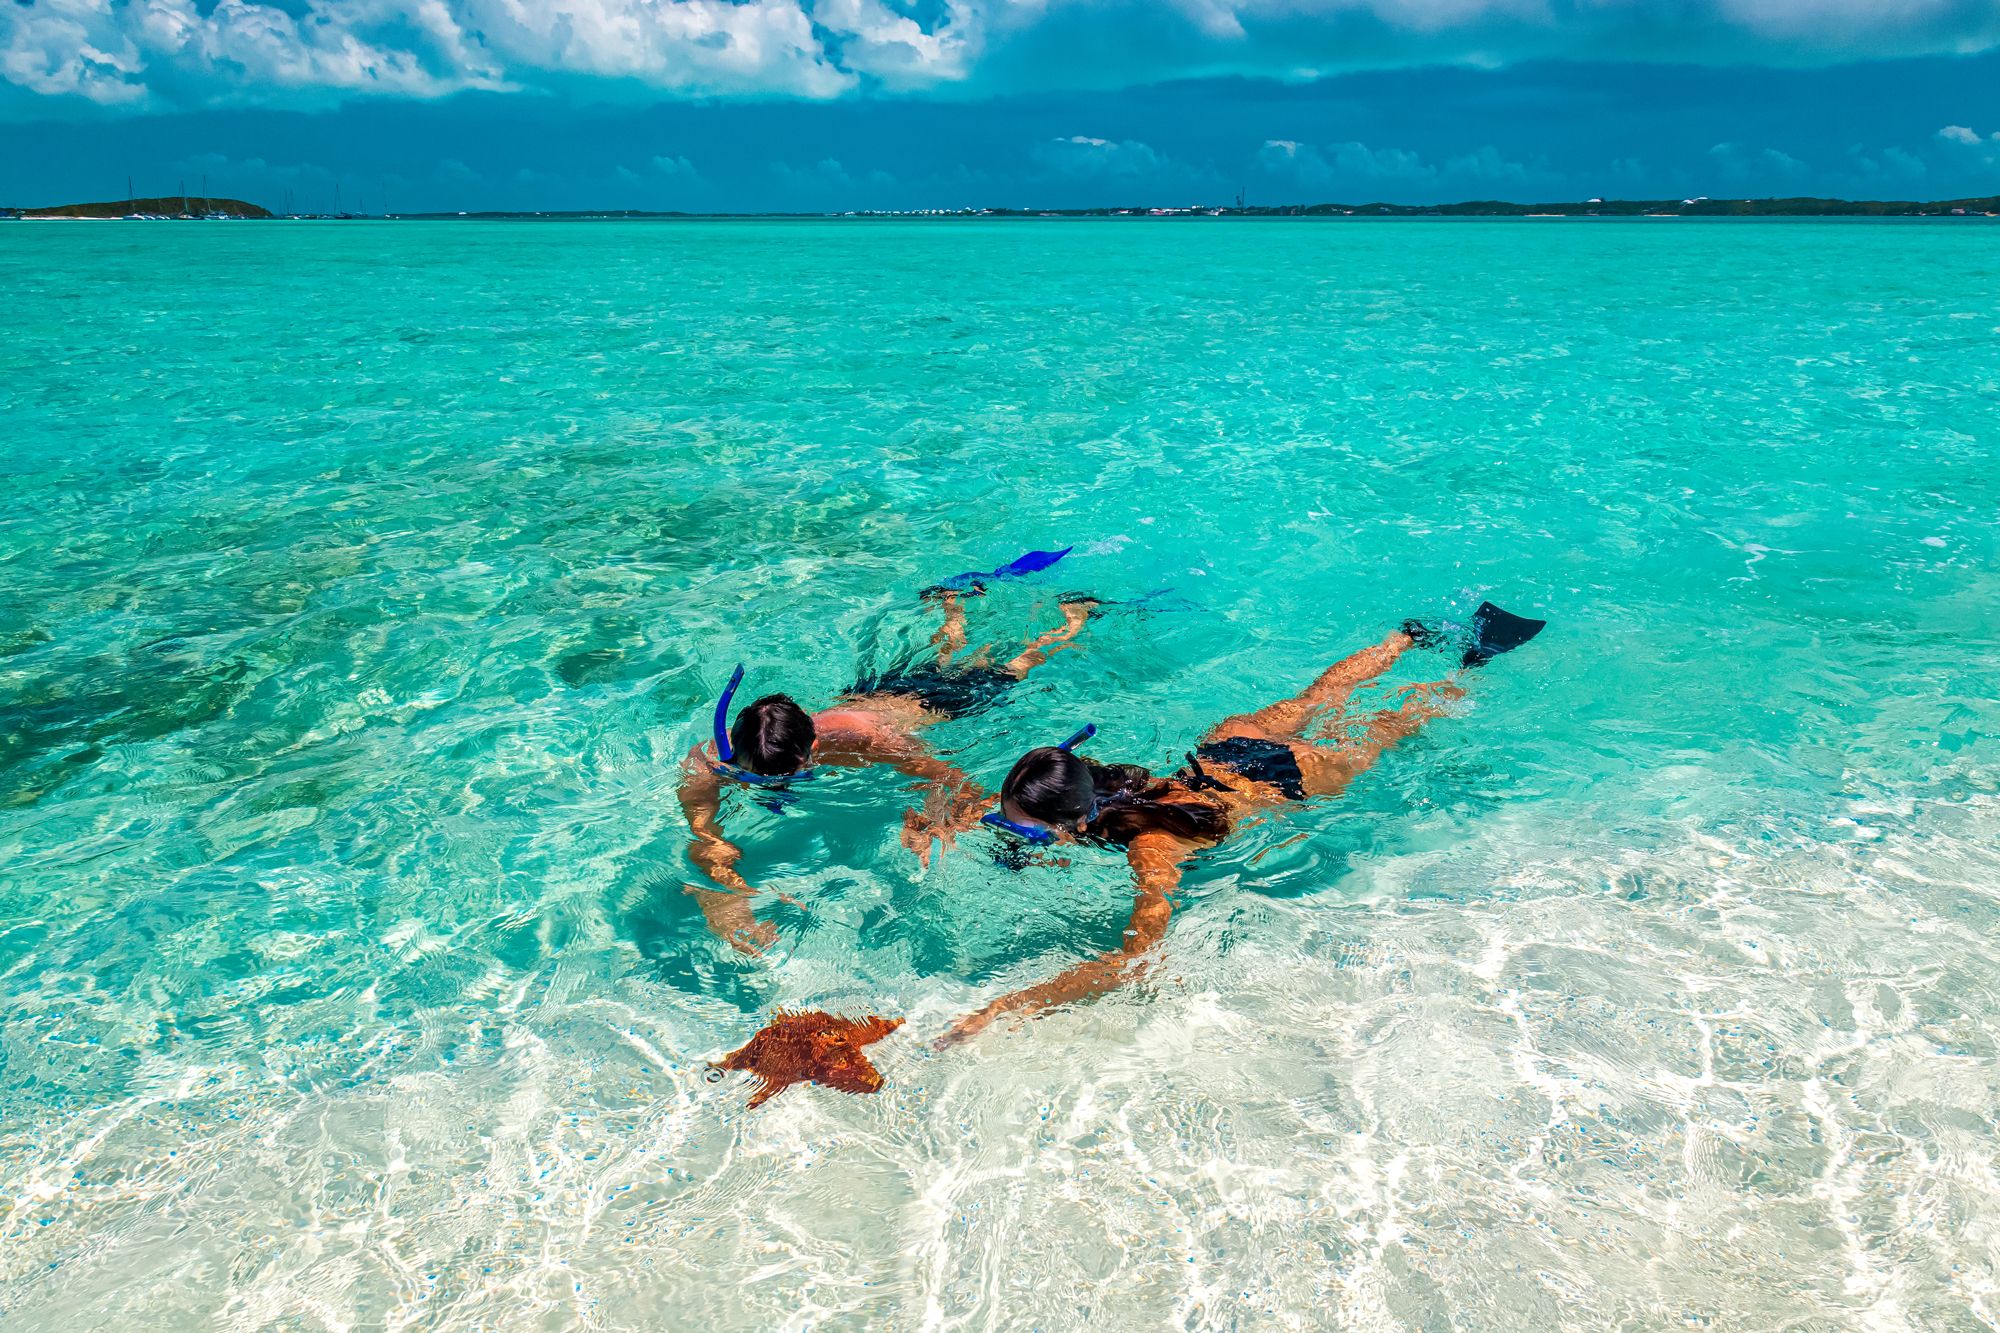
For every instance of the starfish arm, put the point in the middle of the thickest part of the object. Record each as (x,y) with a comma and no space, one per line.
(854,1074)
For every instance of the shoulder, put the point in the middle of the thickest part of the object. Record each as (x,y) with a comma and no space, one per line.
(840,730)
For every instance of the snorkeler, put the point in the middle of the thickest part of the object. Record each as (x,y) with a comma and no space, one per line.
(774,744)
(1253,761)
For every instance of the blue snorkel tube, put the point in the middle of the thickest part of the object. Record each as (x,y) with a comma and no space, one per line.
(1040,834)
(726,752)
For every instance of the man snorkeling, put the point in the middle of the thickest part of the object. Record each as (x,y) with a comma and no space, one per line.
(1246,763)
(773,745)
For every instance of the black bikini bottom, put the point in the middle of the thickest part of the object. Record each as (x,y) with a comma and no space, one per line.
(1258,760)
(953,693)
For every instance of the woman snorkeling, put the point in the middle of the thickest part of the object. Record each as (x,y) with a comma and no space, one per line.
(773,744)
(1246,763)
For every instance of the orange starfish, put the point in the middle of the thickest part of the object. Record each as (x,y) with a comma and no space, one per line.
(810,1048)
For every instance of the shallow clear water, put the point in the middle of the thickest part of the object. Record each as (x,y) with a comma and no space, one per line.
(361,586)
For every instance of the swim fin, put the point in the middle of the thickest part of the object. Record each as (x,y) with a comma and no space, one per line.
(1495,632)
(1034,562)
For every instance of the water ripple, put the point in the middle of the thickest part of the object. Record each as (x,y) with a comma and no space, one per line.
(350,640)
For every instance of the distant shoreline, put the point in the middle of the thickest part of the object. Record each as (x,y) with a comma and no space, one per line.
(177,207)
(180,209)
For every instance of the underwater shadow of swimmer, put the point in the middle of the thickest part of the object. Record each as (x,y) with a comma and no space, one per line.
(664,924)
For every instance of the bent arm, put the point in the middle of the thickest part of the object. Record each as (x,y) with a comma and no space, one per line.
(727,912)
(1156,860)
(902,752)
(952,802)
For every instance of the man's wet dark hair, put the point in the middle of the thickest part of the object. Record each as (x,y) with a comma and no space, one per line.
(1059,788)
(773,736)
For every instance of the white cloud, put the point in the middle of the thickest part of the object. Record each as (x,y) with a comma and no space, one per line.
(1822,22)
(1486,165)
(69,47)
(188,52)
(826,171)
(897,50)
(1982,152)
(1960,134)
(1083,155)
(1763,169)
(1357,167)
(1385,163)
(1353,163)
(128,51)
(119,52)
(681,45)
(1892,164)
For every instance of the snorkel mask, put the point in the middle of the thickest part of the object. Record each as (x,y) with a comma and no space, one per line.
(726,752)
(1041,835)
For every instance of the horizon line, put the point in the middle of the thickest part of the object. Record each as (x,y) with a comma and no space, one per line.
(155,207)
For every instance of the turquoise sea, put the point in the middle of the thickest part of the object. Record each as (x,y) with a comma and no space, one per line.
(361,586)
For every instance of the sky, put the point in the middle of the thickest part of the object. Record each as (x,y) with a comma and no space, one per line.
(828,105)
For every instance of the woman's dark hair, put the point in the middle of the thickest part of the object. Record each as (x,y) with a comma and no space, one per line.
(1059,788)
(772,736)
(1052,785)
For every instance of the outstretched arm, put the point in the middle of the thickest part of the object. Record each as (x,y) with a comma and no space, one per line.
(727,911)
(1156,863)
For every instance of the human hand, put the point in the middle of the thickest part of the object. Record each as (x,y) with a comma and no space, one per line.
(945,815)
(965,1029)
(754,939)
(918,836)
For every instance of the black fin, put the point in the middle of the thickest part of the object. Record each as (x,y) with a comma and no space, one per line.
(1495,632)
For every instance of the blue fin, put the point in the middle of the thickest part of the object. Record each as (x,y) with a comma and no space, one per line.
(1032,563)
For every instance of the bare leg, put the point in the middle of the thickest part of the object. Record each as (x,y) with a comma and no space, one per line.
(1327,769)
(1075,615)
(1286,719)
(950,637)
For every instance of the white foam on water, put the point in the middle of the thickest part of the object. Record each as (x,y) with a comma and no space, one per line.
(1756,1090)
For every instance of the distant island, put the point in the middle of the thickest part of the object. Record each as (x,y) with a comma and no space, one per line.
(177,207)
(1702,207)
(1988,206)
